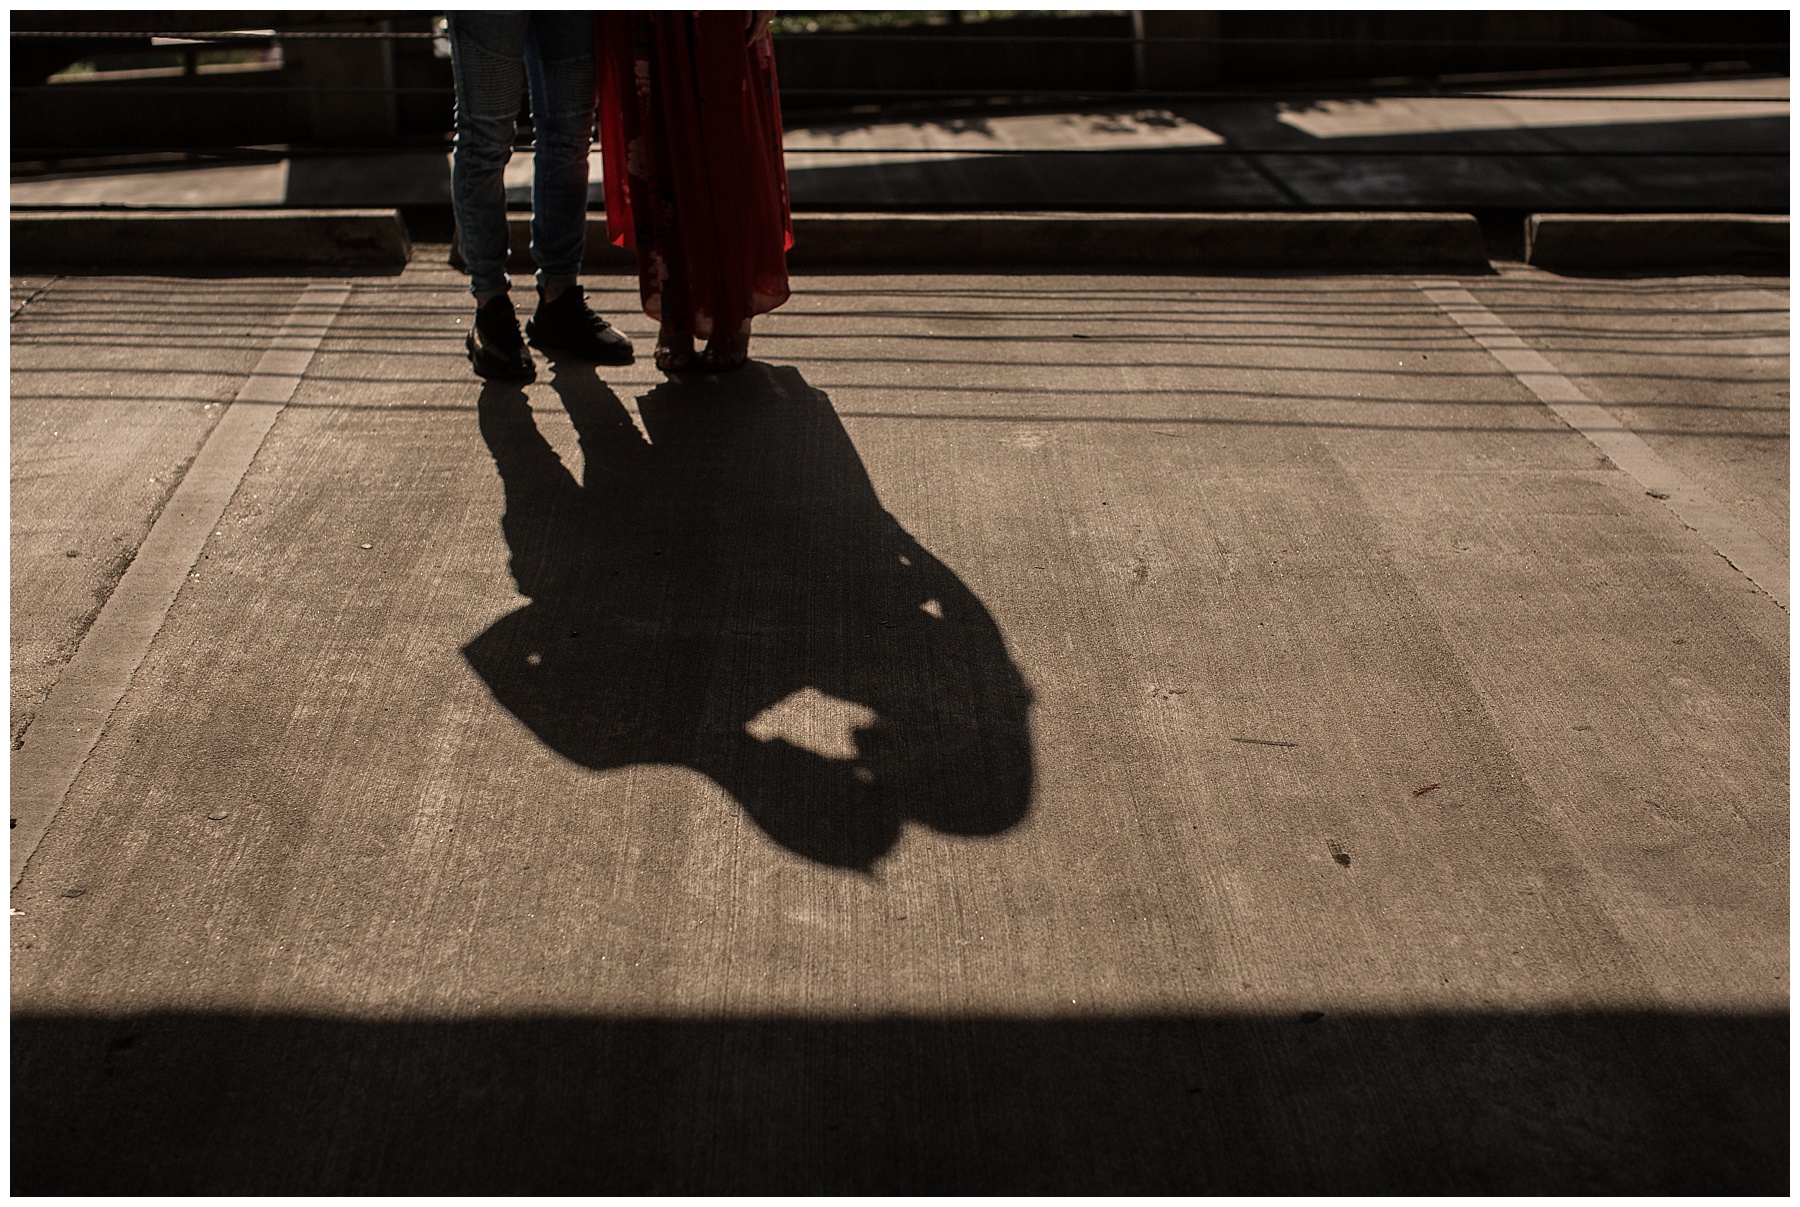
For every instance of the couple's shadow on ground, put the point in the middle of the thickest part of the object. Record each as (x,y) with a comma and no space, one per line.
(731,596)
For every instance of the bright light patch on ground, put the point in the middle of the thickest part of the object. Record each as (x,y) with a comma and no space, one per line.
(1595,107)
(814,721)
(901,142)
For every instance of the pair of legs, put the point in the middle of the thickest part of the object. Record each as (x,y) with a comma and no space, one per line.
(495,56)
(691,132)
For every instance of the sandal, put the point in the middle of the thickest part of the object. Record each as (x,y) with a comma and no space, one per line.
(717,359)
(675,352)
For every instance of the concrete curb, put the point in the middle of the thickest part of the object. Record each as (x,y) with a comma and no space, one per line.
(1402,242)
(1205,241)
(1648,242)
(373,238)
(377,238)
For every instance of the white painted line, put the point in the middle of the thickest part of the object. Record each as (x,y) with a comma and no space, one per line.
(61,737)
(1757,559)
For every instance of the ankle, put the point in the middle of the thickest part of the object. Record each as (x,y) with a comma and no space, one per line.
(497,321)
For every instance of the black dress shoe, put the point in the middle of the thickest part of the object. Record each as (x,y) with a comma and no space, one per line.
(566,327)
(496,350)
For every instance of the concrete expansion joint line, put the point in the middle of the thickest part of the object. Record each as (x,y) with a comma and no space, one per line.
(1761,561)
(57,743)
(36,294)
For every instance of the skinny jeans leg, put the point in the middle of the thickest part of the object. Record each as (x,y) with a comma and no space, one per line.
(493,56)
(487,60)
(559,60)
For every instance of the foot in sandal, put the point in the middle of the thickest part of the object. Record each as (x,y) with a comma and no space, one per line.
(724,357)
(675,351)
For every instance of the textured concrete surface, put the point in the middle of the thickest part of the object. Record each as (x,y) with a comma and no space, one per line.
(1026,732)
(1678,145)
(1637,145)
(115,385)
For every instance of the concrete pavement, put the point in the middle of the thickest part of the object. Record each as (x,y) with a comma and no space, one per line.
(1648,145)
(1673,145)
(1028,732)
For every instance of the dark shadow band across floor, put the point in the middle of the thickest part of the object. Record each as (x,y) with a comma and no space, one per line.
(1622,1103)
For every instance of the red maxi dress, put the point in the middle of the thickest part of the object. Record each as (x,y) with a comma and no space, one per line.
(690,138)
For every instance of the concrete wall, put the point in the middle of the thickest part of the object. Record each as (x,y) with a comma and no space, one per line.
(247,108)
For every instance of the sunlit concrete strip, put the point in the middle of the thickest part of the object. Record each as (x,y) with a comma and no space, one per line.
(1119,128)
(59,741)
(1761,562)
(225,185)
(1542,108)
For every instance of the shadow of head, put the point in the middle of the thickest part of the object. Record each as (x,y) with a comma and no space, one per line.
(729,595)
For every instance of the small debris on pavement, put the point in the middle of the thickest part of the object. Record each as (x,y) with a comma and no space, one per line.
(218,815)
(74,890)
(1427,788)
(367,546)
(1338,852)
(1657,494)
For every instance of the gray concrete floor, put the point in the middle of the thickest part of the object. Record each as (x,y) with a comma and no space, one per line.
(974,748)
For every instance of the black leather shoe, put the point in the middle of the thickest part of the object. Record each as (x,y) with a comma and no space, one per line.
(496,349)
(566,327)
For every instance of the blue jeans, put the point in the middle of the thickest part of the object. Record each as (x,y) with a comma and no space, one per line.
(493,56)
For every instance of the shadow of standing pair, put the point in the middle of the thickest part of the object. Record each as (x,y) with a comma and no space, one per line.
(690,583)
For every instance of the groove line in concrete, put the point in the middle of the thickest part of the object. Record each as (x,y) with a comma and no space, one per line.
(37,293)
(1759,560)
(59,740)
